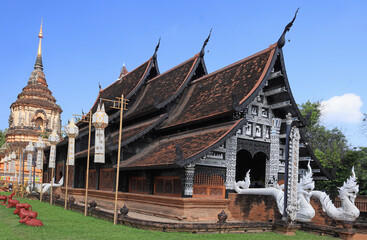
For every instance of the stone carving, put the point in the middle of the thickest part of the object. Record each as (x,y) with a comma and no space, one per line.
(303,212)
(124,211)
(305,188)
(347,194)
(222,217)
(47,186)
(253,146)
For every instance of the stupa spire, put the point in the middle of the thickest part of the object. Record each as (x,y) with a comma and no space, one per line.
(38,65)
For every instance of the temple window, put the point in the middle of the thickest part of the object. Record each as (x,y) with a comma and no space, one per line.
(267,132)
(254,110)
(168,185)
(240,131)
(248,129)
(138,185)
(265,112)
(208,186)
(258,130)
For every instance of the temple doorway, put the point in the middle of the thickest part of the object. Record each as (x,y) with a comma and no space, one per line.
(257,164)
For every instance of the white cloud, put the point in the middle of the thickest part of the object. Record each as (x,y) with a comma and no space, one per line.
(342,109)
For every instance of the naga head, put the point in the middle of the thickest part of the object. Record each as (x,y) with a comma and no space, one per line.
(350,188)
(244,184)
(306,184)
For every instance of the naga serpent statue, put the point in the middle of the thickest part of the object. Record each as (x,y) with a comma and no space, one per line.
(242,187)
(305,187)
(305,211)
(347,194)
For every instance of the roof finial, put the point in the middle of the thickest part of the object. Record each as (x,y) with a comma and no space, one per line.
(205,42)
(156,48)
(39,64)
(281,41)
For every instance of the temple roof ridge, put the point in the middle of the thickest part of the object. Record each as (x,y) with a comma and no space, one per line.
(271,47)
(173,68)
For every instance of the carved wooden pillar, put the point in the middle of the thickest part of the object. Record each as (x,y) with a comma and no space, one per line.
(272,166)
(189,180)
(231,151)
(293,173)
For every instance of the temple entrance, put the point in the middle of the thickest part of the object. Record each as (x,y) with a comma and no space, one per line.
(243,161)
(257,163)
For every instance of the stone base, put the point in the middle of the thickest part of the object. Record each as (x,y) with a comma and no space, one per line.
(33,196)
(286,228)
(176,208)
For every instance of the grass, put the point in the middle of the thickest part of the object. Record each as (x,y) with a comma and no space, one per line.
(61,224)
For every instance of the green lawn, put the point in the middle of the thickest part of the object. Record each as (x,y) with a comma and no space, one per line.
(61,224)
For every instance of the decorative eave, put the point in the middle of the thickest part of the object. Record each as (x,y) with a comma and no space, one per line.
(140,134)
(226,130)
(192,159)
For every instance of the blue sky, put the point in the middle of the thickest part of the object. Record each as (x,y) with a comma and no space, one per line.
(86,42)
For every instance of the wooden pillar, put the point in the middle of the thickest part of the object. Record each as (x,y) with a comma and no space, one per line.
(98,171)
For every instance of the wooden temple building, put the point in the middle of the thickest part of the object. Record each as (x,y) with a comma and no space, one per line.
(190,134)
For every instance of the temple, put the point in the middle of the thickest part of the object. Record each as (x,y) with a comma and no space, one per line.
(34,114)
(188,133)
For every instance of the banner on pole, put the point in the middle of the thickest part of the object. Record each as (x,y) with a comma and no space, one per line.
(51,163)
(71,150)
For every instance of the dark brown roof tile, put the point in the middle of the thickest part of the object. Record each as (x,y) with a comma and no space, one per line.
(163,153)
(163,88)
(214,94)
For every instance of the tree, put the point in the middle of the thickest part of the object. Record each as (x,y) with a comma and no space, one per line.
(360,155)
(330,147)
